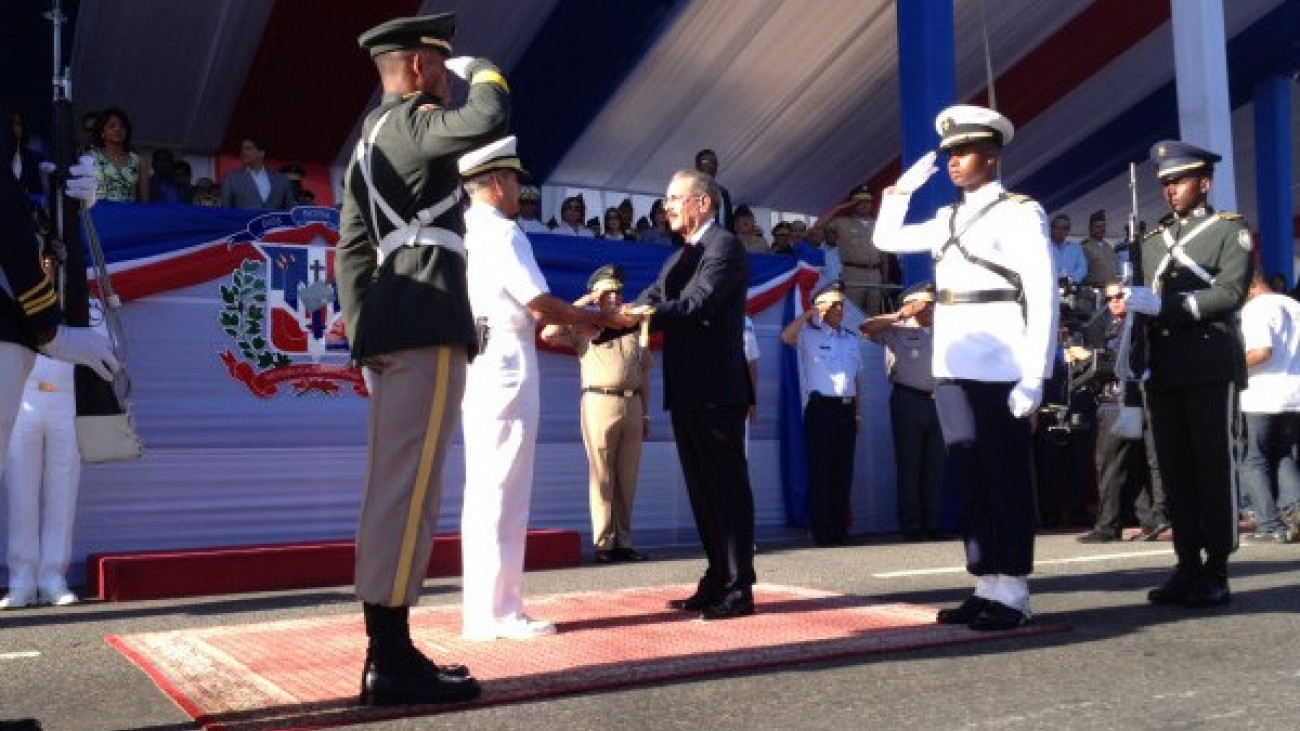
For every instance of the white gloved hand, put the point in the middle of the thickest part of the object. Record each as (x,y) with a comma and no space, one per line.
(1025,397)
(460,66)
(83,346)
(1142,300)
(916,175)
(83,181)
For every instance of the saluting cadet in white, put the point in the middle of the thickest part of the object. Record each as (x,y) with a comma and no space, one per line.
(993,335)
(500,408)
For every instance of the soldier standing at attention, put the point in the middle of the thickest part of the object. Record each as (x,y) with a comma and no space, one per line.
(994,331)
(405,301)
(1198,264)
(615,414)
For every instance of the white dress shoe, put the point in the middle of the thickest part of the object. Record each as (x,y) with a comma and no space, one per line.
(521,627)
(18,598)
(59,597)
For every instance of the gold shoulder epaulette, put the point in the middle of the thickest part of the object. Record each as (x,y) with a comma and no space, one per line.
(1228,216)
(1153,232)
(1019,198)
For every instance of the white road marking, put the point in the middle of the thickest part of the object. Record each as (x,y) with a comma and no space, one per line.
(19,655)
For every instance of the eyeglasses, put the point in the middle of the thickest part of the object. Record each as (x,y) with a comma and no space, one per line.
(682,198)
(1113,297)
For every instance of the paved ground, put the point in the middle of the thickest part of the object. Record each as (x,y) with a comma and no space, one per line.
(1124,665)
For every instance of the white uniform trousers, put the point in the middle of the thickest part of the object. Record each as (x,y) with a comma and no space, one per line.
(15,363)
(42,473)
(500,414)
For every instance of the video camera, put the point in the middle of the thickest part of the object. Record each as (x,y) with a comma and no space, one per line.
(1070,395)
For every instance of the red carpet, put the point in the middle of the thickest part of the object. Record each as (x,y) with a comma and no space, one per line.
(304,673)
(278,567)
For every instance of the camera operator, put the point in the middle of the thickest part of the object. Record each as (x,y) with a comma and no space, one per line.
(1063,444)
(1126,472)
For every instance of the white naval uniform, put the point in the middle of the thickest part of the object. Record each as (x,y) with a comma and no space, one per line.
(42,473)
(992,341)
(499,413)
(983,345)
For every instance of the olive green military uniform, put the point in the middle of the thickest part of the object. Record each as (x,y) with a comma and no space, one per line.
(1200,266)
(408,315)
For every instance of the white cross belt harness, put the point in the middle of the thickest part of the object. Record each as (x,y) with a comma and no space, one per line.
(416,232)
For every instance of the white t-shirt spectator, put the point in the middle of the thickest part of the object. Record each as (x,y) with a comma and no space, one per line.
(1272,321)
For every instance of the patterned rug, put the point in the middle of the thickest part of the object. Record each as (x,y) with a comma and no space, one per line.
(303,673)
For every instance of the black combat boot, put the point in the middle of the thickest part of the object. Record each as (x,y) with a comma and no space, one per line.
(1210,589)
(1175,588)
(396,673)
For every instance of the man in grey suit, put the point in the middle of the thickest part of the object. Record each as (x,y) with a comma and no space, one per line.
(254,186)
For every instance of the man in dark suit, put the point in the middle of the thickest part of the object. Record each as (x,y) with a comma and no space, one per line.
(1197,264)
(254,186)
(698,301)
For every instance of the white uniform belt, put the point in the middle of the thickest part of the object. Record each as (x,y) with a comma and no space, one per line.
(412,235)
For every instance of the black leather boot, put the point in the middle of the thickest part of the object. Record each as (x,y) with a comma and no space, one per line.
(396,673)
(1175,588)
(1210,589)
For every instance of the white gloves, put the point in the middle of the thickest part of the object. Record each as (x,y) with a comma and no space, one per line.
(916,175)
(460,66)
(1142,300)
(83,346)
(1025,397)
(83,181)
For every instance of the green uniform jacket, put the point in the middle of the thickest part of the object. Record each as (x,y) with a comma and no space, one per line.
(418,297)
(1196,338)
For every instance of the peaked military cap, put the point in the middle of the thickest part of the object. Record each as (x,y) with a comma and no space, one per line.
(1174,159)
(923,291)
(963,123)
(861,193)
(411,34)
(498,155)
(830,294)
(608,278)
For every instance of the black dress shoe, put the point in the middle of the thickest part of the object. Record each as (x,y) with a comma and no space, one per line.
(693,603)
(415,684)
(1098,536)
(998,617)
(1209,589)
(629,554)
(605,557)
(1175,588)
(735,604)
(1155,533)
(963,614)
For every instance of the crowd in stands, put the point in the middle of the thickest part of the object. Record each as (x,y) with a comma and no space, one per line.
(125,175)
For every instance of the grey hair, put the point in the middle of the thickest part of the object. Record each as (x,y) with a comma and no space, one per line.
(481,181)
(700,183)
